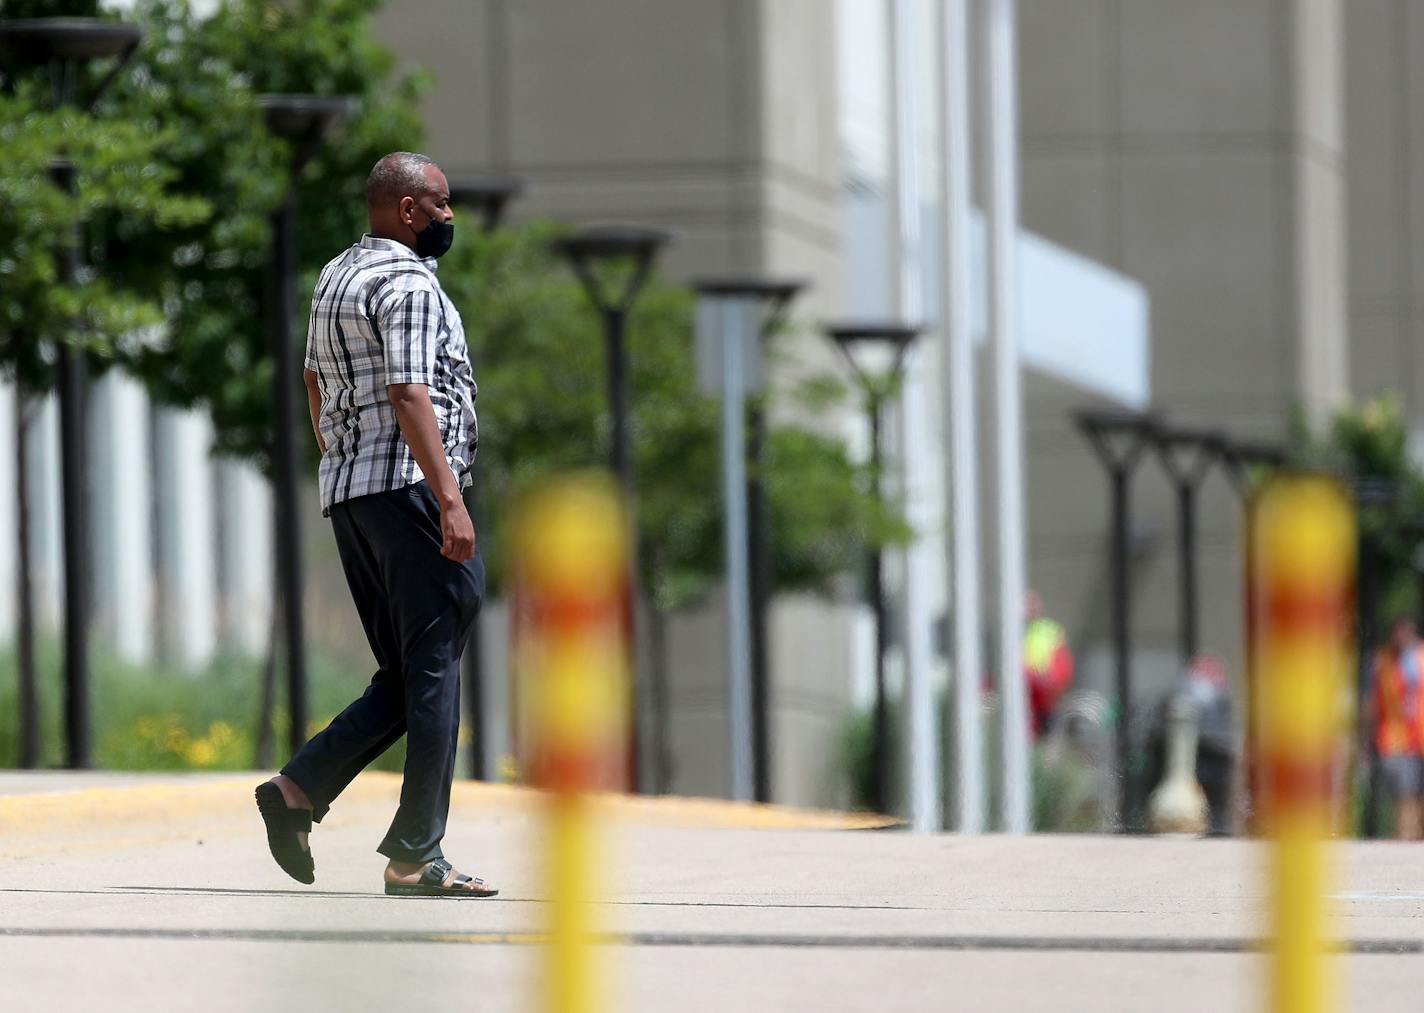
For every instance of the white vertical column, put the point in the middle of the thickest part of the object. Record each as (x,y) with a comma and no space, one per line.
(9,514)
(186,572)
(1001,130)
(121,519)
(957,404)
(46,531)
(245,531)
(922,754)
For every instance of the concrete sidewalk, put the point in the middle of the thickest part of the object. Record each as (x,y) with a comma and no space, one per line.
(156,893)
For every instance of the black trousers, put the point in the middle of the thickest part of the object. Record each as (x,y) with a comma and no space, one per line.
(417,607)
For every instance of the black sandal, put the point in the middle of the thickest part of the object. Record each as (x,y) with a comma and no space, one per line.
(432,884)
(283,825)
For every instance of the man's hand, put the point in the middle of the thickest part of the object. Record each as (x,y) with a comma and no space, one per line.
(417,424)
(457,530)
(314,406)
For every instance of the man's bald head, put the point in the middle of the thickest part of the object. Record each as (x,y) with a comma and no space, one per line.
(399,174)
(404,191)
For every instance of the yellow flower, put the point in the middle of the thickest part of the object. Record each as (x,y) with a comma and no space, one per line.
(201,753)
(508,769)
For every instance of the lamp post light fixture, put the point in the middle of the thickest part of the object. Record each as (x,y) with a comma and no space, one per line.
(66,46)
(875,351)
(1240,456)
(490,197)
(613,263)
(1119,437)
(302,120)
(731,364)
(593,254)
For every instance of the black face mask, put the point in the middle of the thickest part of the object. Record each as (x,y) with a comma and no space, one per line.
(434,240)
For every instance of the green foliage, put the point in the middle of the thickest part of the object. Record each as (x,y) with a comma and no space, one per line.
(120,176)
(1369,444)
(1065,786)
(178,179)
(540,363)
(203,78)
(49,8)
(154,717)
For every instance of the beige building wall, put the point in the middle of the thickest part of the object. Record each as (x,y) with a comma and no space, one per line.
(716,121)
(1384,116)
(1197,147)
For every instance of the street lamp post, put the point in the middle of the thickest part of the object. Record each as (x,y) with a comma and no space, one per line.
(302,120)
(1368,493)
(1187,456)
(1238,458)
(1119,438)
(875,351)
(594,254)
(489,197)
(66,46)
(772,297)
(587,252)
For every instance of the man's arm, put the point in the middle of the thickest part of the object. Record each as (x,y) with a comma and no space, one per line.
(416,416)
(314,406)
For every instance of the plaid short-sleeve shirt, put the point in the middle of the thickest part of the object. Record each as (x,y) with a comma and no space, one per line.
(380,317)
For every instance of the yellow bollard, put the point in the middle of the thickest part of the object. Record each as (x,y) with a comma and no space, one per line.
(572,671)
(1304,546)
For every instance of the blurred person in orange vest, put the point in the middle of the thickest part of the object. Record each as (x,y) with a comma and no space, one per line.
(1393,711)
(1048,662)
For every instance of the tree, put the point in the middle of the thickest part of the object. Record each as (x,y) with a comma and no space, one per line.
(539,357)
(120,176)
(1368,445)
(202,78)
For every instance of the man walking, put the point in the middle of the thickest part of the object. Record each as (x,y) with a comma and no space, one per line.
(392,401)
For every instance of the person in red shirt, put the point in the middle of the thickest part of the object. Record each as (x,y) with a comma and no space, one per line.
(1048,662)
(1393,711)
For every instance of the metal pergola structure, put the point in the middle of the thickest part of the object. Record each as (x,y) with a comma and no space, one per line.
(878,382)
(1120,439)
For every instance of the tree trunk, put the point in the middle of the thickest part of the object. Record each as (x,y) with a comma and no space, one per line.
(268,701)
(658,691)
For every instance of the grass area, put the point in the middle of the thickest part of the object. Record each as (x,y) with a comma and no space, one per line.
(157,717)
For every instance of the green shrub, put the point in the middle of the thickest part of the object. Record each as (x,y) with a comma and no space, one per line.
(1065,787)
(156,717)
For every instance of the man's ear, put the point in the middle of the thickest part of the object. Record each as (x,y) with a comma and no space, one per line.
(407,205)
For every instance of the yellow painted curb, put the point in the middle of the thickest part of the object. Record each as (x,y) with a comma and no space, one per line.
(175,805)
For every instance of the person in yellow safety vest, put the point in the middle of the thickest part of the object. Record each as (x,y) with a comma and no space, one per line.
(1048,662)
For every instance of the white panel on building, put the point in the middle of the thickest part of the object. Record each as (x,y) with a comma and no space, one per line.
(46,514)
(246,570)
(187,578)
(121,539)
(9,514)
